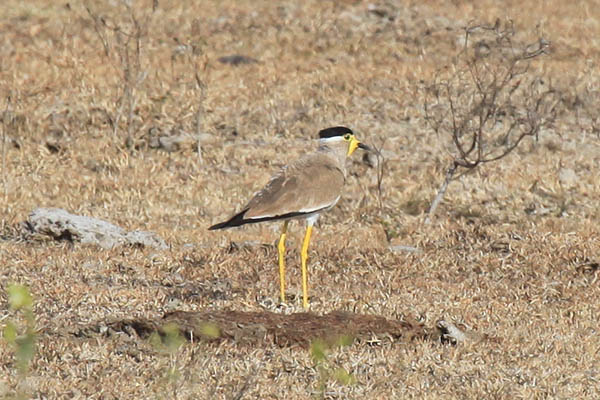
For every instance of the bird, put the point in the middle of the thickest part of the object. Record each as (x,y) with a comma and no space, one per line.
(301,190)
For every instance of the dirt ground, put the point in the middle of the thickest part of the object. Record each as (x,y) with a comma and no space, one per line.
(99,126)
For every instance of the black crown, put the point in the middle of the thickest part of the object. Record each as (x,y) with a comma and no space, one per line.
(334,131)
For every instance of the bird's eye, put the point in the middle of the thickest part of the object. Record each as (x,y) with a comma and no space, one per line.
(347,136)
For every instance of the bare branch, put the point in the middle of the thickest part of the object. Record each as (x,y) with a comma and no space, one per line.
(490,102)
(122,39)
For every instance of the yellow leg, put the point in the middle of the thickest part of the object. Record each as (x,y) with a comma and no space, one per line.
(281,248)
(304,256)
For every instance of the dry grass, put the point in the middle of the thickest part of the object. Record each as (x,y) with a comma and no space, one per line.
(512,253)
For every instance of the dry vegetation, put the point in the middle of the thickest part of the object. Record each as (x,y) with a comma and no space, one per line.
(513,251)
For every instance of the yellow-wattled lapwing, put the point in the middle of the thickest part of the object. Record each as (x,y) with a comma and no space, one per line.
(302,190)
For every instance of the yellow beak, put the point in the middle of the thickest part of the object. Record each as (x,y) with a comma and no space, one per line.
(352,146)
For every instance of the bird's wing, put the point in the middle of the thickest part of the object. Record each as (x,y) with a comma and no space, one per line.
(310,184)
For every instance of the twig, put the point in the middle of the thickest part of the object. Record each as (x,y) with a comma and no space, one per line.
(441,192)
(5,117)
(381,164)
(201,86)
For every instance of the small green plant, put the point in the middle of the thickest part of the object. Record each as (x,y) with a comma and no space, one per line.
(319,350)
(209,331)
(168,342)
(22,339)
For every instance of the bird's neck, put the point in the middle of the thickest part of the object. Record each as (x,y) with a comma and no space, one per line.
(337,151)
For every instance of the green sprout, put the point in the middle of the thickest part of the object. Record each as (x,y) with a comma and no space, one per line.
(209,330)
(21,339)
(319,351)
(20,300)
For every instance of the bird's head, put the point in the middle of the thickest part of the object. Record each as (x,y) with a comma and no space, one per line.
(340,136)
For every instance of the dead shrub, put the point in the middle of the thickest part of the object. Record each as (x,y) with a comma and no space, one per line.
(488,100)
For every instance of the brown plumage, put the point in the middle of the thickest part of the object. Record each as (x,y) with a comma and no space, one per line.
(310,185)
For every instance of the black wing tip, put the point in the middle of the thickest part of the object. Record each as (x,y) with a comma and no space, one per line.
(218,226)
(236,220)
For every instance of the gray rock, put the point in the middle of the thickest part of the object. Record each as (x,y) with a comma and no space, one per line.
(61,225)
(147,239)
(401,248)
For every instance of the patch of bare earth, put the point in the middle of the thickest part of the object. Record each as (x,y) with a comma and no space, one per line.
(256,328)
(498,298)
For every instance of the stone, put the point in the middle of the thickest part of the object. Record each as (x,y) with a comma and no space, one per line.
(62,225)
